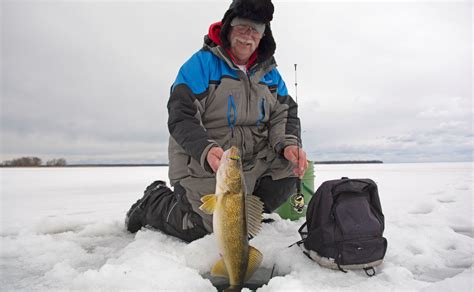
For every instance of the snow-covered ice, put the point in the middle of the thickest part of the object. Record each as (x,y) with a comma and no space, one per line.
(62,228)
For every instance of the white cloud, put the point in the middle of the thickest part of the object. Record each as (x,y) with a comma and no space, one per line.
(456,107)
(374,79)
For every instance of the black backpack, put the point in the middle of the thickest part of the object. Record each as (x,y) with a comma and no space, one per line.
(344,226)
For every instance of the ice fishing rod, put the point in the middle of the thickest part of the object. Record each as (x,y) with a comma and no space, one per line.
(299,130)
(298,199)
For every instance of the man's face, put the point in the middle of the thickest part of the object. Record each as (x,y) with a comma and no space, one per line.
(244,41)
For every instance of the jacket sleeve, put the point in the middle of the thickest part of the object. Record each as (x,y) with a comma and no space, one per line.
(185,110)
(284,124)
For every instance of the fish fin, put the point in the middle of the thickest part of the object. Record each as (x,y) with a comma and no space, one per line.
(255,259)
(209,203)
(254,214)
(207,198)
(219,269)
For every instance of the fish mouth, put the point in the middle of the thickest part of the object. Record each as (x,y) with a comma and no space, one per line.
(233,153)
(234,157)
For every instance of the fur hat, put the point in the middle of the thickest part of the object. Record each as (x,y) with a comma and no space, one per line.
(256,10)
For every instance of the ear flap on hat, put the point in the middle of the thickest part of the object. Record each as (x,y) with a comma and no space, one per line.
(267,45)
(228,16)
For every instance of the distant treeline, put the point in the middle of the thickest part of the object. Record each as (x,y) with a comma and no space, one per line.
(31,161)
(117,165)
(37,162)
(348,161)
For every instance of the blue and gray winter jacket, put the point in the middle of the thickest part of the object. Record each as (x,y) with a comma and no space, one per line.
(213,102)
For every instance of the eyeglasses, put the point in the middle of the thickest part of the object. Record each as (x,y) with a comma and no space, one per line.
(245,29)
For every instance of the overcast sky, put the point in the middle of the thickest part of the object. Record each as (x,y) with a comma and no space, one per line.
(89,81)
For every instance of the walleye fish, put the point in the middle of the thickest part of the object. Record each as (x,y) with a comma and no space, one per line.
(235,216)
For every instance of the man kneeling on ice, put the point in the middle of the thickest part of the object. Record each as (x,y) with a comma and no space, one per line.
(228,93)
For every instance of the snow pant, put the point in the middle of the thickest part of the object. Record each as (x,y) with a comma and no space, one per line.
(170,212)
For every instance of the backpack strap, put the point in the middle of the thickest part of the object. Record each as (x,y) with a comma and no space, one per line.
(341,269)
(371,273)
(303,234)
(338,262)
(299,242)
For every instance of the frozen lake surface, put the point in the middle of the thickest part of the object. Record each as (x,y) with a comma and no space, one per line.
(62,228)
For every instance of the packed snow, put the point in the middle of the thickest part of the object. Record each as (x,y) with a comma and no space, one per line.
(62,228)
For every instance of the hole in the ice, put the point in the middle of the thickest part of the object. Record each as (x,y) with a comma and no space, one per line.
(261,277)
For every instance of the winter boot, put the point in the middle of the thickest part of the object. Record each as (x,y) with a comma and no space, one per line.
(135,218)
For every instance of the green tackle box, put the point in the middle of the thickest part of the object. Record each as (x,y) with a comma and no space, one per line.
(294,208)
